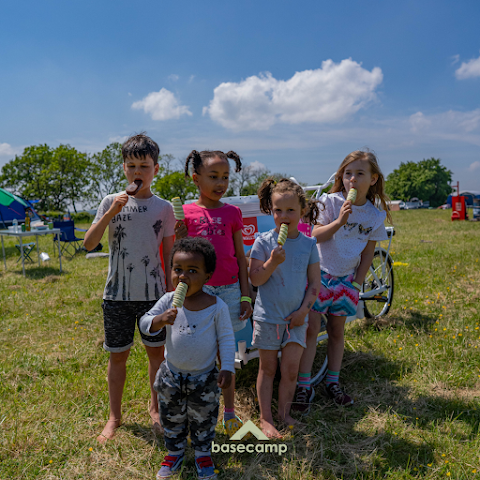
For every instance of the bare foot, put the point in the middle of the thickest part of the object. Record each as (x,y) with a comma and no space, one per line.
(157,428)
(269,430)
(108,431)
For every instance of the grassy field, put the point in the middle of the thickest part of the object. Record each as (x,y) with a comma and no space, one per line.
(415,377)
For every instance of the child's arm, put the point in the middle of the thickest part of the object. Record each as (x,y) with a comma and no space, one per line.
(166,318)
(261,271)
(325,232)
(297,317)
(96,231)
(167,250)
(157,317)
(365,262)
(245,307)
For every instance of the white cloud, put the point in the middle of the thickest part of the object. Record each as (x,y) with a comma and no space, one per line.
(6,150)
(418,121)
(447,123)
(162,105)
(173,77)
(327,95)
(117,139)
(468,69)
(256,165)
(474,166)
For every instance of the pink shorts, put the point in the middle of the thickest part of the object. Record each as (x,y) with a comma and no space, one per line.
(337,296)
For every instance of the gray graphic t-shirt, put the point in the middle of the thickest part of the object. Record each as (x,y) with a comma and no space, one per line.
(134,236)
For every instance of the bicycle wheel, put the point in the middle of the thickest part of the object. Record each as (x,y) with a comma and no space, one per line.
(379,305)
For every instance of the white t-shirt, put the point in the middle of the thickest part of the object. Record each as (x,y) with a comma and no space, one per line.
(340,255)
(195,337)
(134,236)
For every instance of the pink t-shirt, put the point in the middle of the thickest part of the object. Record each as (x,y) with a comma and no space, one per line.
(217,225)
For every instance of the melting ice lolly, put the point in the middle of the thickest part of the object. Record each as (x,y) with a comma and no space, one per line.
(178,209)
(179,295)
(134,187)
(352,195)
(282,235)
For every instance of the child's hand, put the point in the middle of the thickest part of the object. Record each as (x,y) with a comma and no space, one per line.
(119,202)
(296,319)
(169,316)
(246,310)
(345,212)
(278,255)
(224,379)
(180,229)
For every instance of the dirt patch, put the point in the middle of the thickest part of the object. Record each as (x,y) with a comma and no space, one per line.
(466,394)
(50,279)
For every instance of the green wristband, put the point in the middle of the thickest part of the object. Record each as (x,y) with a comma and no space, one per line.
(357,286)
(246,299)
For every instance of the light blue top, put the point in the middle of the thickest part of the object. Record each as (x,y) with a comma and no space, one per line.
(284,291)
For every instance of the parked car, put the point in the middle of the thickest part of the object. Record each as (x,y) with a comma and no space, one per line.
(412,205)
(402,205)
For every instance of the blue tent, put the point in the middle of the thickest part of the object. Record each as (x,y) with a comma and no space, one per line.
(15,210)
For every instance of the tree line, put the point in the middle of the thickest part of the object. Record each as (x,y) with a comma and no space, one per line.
(62,178)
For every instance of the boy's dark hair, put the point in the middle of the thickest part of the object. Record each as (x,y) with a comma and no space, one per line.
(284,185)
(196,245)
(197,159)
(140,146)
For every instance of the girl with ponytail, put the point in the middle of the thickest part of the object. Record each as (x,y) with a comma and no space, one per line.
(281,273)
(222,224)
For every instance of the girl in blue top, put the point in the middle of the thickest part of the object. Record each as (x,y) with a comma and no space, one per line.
(282,304)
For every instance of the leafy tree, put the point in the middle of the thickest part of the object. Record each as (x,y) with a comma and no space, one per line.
(106,173)
(57,177)
(174,184)
(426,180)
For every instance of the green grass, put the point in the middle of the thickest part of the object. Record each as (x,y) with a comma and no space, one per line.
(415,376)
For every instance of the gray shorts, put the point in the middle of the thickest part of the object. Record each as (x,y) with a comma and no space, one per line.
(230,294)
(119,321)
(273,336)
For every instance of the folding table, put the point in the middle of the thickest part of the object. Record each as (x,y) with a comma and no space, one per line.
(33,232)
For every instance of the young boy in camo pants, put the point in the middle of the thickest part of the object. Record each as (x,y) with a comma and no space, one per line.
(188,382)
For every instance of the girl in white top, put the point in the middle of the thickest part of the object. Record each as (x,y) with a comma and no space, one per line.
(346,234)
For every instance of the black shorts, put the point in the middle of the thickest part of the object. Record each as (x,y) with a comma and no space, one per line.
(119,320)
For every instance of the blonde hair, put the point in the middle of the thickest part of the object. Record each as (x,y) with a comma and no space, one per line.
(376,191)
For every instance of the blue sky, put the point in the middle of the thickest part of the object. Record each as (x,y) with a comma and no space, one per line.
(294,86)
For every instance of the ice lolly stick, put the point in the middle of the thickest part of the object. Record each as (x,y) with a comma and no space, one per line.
(352,195)
(282,235)
(179,295)
(134,187)
(178,209)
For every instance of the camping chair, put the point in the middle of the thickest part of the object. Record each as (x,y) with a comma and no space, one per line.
(27,250)
(71,245)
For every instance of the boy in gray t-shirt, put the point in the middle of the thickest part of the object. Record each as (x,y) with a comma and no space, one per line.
(138,224)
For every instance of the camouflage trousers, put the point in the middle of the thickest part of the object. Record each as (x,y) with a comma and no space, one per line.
(188,405)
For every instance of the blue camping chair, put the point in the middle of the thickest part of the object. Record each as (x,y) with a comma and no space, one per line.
(71,245)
